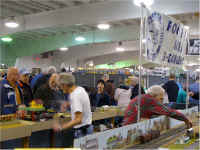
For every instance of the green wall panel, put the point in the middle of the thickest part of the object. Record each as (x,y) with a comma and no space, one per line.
(19,48)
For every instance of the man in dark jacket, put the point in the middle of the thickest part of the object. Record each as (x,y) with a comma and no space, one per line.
(135,87)
(49,93)
(10,93)
(100,97)
(24,84)
(171,88)
(42,79)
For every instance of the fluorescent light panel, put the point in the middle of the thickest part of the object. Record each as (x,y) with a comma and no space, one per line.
(80,38)
(64,48)
(6,39)
(103,26)
(11,24)
(120,49)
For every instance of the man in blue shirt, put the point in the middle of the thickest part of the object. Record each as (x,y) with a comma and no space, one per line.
(194,92)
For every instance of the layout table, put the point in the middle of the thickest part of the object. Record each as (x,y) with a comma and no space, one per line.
(14,130)
(23,129)
(168,139)
(192,144)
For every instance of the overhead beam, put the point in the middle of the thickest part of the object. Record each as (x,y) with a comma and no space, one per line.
(15,9)
(58,3)
(99,12)
(41,5)
(21,6)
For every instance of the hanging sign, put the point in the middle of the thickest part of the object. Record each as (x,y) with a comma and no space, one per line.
(166,39)
(194,47)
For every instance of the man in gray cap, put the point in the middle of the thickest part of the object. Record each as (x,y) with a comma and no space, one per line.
(80,107)
(25,86)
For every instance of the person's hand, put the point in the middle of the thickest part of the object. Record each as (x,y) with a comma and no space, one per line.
(21,113)
(188,124)
(22,106)
(64,106)
(100,90)
(191,94)
(39,101)
(57,127)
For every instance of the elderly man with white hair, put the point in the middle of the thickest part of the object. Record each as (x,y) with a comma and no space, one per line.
(80,107)
(152,104)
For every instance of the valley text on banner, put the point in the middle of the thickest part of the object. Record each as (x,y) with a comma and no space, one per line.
(166,39)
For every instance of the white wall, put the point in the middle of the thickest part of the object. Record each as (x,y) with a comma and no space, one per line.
(30,62)
(75,54)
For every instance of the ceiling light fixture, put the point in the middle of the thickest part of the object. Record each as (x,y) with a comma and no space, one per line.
(185,69)
(147,3)
(198,70)
(6,39)
(139,67)
(91,64)
(120,48)
(80,38)
(144,40)
(64,48)
(103,26)
(11,23)
(187,27)
(191,64)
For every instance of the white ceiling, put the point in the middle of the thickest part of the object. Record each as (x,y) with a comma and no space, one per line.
(43,18)
(190,19)
(40,14)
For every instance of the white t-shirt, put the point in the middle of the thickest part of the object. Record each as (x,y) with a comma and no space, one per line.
(123,96)
(80,102)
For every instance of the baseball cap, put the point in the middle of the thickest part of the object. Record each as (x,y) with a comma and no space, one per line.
(24,71)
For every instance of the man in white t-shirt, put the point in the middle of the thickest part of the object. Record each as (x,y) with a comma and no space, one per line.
(80,107)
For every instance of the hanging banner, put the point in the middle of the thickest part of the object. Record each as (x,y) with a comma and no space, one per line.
(194,47)
(166,39)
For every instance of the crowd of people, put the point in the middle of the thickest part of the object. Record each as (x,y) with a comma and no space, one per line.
(18,90)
